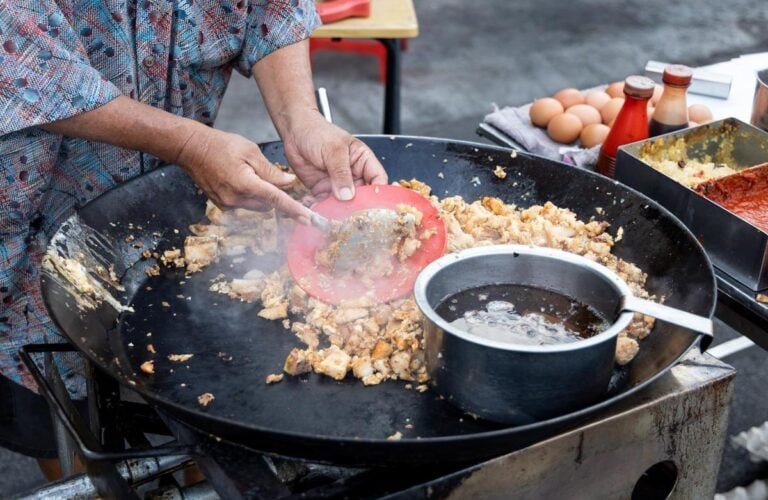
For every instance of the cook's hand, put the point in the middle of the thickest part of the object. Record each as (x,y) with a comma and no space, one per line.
(327,159)
(233,172)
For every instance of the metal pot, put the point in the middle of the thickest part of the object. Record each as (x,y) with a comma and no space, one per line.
(520,384)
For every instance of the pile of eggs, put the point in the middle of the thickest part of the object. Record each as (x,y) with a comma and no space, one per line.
(569,114)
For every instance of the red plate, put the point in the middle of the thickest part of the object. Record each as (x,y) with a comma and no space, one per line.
(318,281)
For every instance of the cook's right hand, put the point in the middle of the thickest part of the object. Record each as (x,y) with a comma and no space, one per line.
(233,172)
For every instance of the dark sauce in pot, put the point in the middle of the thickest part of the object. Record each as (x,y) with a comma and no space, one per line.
(521,314)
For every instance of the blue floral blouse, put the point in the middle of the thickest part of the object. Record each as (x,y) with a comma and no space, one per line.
(59,58)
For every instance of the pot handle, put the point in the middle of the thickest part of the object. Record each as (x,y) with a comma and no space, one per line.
(699,324)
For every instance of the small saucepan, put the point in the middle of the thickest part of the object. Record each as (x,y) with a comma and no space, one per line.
(519,384)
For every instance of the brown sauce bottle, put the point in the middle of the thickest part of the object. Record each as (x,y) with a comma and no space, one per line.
(671,112)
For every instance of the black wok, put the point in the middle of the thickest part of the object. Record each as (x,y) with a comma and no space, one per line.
(317,418)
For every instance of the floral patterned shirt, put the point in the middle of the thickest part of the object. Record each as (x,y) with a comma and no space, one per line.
(59,58)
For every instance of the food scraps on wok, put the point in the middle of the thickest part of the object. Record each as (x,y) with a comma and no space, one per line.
(378,342)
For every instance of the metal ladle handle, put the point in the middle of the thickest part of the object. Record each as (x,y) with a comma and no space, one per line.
(699,324)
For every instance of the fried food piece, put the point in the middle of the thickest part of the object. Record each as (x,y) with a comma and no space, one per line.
(148,367)
(205,399)
(200,251)
(274,378)
(247,290)
(397,436)
(298,361)
(180,358)
(500,172)
(332,362)
(278,311)
(173,258)
(626,349)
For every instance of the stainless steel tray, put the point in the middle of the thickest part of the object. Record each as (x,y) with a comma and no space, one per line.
(735,246)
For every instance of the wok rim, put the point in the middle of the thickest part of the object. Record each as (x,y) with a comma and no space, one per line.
(350,442)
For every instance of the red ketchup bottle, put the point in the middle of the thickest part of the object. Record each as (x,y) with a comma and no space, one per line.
(631,124)
(671,112)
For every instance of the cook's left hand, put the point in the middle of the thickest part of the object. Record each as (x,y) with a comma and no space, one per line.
(328,159)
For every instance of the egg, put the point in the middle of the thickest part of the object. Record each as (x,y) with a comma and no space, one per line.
(616,89)
(657,91)
(564,128)
(597,99)
(594,134)
(586,113)
(542,110)
(569,97)
(610,110)
(699,113)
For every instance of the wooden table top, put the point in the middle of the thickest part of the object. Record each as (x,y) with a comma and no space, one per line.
(388,19)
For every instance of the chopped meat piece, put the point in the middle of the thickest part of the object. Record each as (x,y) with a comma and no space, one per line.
(362,367)
(172,258)
(279,311)
(248,290)
(298,361)
(408,248)
(307,334)
(205,399)
(180,358)
(397,436)
(405,210)
(274,378)
(626,349)
(418,186)
(148,367)
(200,251)
(332,362)
(381,350)
(400,363)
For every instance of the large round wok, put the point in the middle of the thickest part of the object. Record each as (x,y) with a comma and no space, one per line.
(316,418)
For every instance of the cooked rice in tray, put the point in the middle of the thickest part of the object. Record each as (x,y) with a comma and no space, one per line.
(384,341)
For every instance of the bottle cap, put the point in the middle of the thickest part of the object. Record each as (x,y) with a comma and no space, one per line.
(678,75)
(639,87)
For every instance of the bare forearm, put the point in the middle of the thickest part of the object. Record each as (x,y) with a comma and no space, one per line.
(130,124)
(285,81)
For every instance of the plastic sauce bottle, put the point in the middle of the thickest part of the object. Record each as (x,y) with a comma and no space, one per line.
(671,112)
(631,123)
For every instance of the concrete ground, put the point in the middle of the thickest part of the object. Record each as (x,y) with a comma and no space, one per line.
(472,54)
